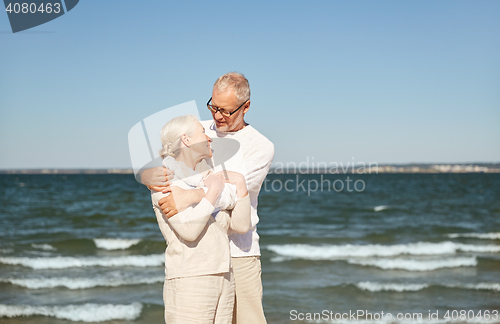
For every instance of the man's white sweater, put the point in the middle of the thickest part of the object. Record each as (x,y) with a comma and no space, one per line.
(252,159)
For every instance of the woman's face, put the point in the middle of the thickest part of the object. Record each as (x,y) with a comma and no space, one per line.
(200,141)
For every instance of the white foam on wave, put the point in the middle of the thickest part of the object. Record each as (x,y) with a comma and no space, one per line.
(400,287)
(486,236)
(115,244)
(152,260)
(280,259)
(45,247)
(376,286)
(6,251)
(415,265)
(479,286)
(332,252)
(478,248)
(80,283)
(380,208)
(83,313)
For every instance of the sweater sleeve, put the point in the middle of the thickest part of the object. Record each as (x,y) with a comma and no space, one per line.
(227,198)
(189,223)
(258,161)
(240,221)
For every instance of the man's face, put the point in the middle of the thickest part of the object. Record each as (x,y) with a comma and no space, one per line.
(228,101)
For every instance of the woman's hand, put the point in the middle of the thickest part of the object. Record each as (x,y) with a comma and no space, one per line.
(236,179)
(179,199)
(215,185)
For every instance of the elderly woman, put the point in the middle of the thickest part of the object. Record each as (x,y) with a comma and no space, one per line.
(199,285)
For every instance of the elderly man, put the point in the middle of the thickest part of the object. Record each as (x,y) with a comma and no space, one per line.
(229,103)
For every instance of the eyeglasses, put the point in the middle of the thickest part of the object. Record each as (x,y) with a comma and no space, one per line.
(222,111)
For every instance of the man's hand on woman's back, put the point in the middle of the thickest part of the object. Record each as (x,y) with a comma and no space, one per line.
(157,179)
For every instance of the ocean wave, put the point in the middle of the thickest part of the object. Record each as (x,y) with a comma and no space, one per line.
(478,248)
(376,286)
(83,313)
(115,244)
(45,247)
(486,236)
(400,287)
(479,286)
(415,265)
(380,208)
(79,283)
(280,259)
(152,260)
(332,252)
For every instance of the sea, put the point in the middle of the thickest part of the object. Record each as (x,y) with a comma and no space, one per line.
(359,248)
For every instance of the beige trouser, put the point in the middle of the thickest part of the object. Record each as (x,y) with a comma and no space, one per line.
(199,300)
(248,282)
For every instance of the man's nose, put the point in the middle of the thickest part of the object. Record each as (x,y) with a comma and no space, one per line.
(209,139)
(218,115)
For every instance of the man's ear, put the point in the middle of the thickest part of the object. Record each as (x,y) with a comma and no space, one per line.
(246,107)
(186,140)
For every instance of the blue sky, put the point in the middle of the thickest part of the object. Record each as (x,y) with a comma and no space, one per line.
(371,81)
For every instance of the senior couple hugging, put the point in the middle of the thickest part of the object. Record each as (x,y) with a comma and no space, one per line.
(208,215)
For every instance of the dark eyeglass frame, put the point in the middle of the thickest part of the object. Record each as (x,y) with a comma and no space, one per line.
(226,113)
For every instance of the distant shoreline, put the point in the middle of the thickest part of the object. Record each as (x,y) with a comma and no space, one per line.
(383,168)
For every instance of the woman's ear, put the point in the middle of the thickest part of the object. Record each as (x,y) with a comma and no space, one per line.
(186,140)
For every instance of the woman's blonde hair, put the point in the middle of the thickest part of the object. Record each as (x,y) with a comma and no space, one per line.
(172,132)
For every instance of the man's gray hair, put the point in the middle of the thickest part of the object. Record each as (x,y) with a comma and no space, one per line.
(235,81)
